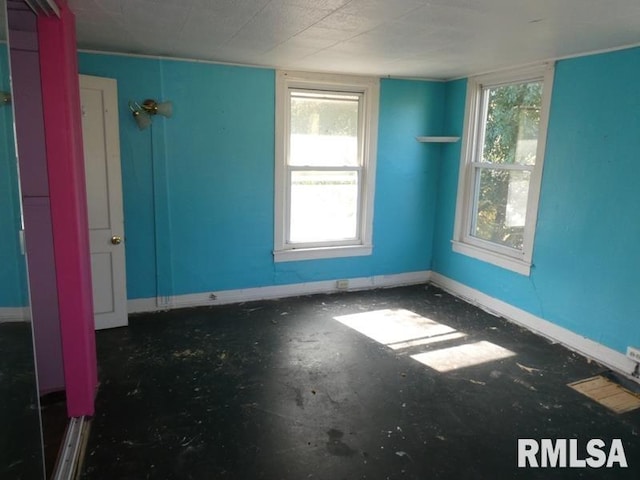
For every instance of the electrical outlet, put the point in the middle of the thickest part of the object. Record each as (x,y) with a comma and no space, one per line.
(634,354)
(342,284)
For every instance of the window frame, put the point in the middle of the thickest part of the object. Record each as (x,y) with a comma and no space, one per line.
(473,139)
(369,90)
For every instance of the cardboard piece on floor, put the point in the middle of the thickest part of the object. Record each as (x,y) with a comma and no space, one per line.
(607,393)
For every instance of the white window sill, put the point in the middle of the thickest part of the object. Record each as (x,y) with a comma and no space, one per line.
(295,254)
(509,263)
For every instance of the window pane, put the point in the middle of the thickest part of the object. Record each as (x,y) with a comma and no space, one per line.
(500,208)
(324,206)
(511,122)
(324,129)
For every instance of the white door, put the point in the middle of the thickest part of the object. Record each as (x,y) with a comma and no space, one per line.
(99,101)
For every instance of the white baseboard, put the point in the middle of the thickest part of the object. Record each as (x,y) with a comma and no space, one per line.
(586,347)
(275,291)
(15,314)
(582,345)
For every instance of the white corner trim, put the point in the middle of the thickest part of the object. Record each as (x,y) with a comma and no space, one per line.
(15,314)
(276,291)
(582,345)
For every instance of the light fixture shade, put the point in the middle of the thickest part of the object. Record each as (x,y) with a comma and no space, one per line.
(143,113)
(165,109)
(142,119)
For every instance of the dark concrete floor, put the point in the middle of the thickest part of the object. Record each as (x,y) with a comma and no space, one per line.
(21,454)
(281,390)
(53,411)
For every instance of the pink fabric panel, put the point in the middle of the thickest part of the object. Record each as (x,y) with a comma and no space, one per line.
(25,70)
(63,135)
(44,298)
(28,114)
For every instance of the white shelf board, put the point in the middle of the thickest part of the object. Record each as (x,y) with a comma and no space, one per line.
(437,139)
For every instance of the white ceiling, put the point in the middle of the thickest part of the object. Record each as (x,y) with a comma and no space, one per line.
(437,39)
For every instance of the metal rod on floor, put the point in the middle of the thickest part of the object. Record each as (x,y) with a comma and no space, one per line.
(71,448)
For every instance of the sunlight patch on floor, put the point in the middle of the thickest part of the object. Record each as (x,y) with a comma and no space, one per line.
(427,340)
(461,356)
(400,329)
(394,326)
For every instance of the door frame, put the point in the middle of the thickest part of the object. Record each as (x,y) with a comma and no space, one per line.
(109,89)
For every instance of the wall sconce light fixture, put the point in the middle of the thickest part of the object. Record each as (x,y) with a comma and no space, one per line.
(5,99)
(143,112)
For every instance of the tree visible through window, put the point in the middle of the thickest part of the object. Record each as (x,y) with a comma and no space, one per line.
(512,118)
(501,166)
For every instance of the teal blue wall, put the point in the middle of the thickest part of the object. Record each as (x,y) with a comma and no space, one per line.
(586,257)
(199,210)
(13,291)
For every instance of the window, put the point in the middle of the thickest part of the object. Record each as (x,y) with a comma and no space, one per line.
(326,128)
(501,166)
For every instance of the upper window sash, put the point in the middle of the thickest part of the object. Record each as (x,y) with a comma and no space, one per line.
(356,96)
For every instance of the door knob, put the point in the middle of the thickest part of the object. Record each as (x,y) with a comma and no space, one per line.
(116,240)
